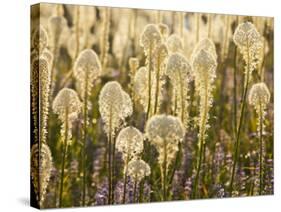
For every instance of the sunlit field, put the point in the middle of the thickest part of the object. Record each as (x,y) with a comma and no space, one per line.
(138,106)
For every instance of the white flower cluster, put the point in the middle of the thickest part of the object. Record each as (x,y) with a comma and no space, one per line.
(165,132)
(41,165)
(259,97)
(86,69)
(138,169)
(250,44)
(204,66)
(130,143)
(174,43)
(179,72)
(150,38)
(68,106)
(114,105)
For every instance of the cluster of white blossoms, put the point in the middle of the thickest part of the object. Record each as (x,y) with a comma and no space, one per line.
(56,26)
(115,106)
(41,165)
(155,77)
(165,132)
(179,72)
(130,143)
(68,106)
(164,30)
(204,66)
(249,42)
(141,86)
(174,43)
(150,39)
(87,68)
(133,64)
(39,40)
(44,92)
(138,169)
(259,97)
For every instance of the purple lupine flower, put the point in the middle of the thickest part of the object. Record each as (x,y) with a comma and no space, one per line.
(102,194)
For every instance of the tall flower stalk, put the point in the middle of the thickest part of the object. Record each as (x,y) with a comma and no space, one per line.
(179,72)
(67,105)
(137,170)
(130,143)
(115,106)
(150,39)
(104,38)
(56,25)
(204,69)
(160,64)
(41,157)
(248,40)
(133,64)
(41,162)
(87,69)
(165,132)
(259,97)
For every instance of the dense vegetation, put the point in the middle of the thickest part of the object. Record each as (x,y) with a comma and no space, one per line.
(143,106)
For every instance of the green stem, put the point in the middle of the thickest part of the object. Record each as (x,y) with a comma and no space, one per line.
(64,147)
(209,26)
(52,74)
(165,172)
(125,180)
(85,110)
(201,141)
(113,168)
(109,159)
(237,143)
(157,83)
(176,165)
(235,92)
(261,148)
(135,190)
(175,104)
(197,27)
(182,98)
(77,36)
(149,82)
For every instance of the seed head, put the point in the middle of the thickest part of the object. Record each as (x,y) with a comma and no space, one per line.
(138,169)
(129,142)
